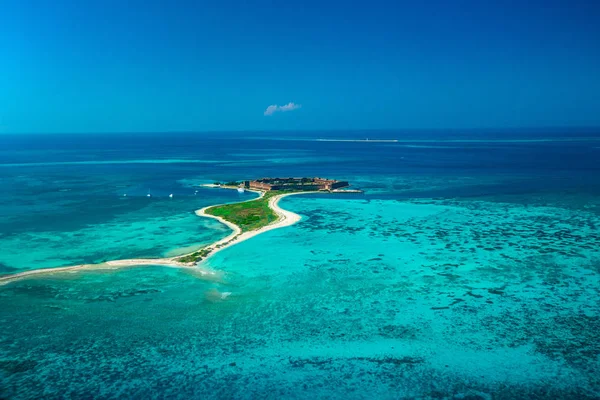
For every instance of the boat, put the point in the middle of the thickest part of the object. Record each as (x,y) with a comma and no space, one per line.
(240,190)
(148,195)
(171,195)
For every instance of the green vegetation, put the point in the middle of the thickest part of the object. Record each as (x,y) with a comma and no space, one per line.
(232,183)
(196,256)
(248,215)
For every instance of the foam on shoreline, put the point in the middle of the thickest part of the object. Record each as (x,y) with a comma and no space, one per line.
(286,218)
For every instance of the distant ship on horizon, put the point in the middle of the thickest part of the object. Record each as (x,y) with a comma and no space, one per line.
(359,140)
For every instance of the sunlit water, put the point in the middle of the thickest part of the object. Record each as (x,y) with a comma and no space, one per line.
(466,270)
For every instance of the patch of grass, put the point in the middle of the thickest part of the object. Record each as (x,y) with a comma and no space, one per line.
(248,215)
(195,256)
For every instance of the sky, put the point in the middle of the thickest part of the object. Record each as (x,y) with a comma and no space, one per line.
(124,66)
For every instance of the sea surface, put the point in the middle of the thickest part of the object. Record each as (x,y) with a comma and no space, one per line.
(468,269)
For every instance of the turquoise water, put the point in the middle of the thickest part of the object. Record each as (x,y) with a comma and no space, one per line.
(142,227)
(466,281)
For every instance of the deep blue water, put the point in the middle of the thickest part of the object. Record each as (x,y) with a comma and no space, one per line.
(442,280)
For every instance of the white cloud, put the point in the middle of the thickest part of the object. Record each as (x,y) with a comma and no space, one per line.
(288,107)
(270,110)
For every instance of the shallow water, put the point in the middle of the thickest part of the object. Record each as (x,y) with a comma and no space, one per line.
(451,277)
(127,227)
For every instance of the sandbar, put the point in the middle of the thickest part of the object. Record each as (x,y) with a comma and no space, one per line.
(285,218)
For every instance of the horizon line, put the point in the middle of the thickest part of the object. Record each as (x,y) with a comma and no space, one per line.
(526,128)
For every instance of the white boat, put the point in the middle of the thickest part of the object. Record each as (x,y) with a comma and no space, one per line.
(148,195)
(240,190)
(171,195)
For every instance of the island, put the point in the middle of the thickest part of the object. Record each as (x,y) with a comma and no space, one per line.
(250,218)
(246,220)
(296,184)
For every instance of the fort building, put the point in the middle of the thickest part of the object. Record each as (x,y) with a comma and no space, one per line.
(306,184)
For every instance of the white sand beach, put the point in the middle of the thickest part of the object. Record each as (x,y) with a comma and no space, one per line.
(286,218)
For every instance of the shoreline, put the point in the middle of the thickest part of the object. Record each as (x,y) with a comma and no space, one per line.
(286,218)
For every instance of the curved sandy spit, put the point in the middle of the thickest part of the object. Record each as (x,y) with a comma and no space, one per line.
(286,218)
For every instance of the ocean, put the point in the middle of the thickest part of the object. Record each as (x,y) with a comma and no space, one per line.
(468,268)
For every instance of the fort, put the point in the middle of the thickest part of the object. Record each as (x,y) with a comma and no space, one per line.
(302,184)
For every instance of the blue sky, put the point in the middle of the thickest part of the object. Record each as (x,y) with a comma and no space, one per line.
(95,66)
